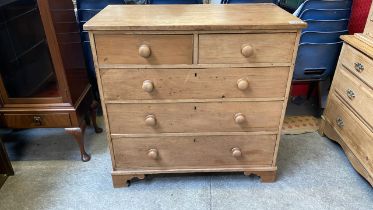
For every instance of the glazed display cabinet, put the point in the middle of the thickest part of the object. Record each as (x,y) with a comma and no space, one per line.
(43,77)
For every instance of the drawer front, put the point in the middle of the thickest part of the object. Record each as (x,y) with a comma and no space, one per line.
(54,120)
(127,84)
(144,49)
(194,151)
(246,48)
(358,63)
(358,137)
(194,117)
(357,94)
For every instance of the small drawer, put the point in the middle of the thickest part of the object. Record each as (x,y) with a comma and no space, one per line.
(193,151)
(355,93)
(137,84)
(246,48)
(42,120)
(194,117)
(357,136)
(144,49)
(358,63)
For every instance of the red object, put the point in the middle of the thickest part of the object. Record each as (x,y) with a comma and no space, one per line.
(299,89)
(359,15)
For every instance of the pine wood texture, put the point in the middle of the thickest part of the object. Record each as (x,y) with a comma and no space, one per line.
(187,152)
(194,117)
(193,17)
(355,93)
(160,49)
(348,116)
(358,63)
(210,100)
(230,48)
(210,83)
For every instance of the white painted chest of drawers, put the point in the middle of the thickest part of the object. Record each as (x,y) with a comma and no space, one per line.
(194,88)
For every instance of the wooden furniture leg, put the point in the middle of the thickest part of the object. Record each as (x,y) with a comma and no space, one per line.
(93,112)
(265,176)
(6,168)
(124,180)
(78,134)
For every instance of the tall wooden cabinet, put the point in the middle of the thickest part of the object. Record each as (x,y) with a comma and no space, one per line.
(43,78)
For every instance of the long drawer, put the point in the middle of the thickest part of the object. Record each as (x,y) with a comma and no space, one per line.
(37,120)
(357,94)
(246,48)
(144,49)
(194,117)
(127,84)
(193,151)
(357,136)
(358,63)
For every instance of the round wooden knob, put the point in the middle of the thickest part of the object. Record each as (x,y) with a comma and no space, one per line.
(153,154)
(144,51)
(148,86)
(150,120)
(247,50)
(242,84)
(239,118)
(236,152)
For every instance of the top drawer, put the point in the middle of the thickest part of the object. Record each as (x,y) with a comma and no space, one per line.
(144,49)
(360,64)
(246,48)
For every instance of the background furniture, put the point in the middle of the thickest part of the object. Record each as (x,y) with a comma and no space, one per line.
(194,96)
(348,117)
(6,168)
(43,78)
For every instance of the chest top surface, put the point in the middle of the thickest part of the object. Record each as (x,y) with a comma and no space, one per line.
(194,17)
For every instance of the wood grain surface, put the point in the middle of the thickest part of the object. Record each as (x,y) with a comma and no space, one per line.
(211,83)
(194,117)
(193,17)
(189,152)
(226,48)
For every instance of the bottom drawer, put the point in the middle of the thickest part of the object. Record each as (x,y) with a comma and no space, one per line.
(42,120)
(193,152)
(355,134)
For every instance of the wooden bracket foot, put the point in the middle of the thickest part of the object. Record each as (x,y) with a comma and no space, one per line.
(124,180)
(265,176)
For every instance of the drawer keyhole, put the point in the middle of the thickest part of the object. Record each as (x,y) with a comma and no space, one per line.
(37,120)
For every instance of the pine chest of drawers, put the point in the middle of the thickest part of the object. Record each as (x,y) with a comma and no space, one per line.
(194,88)
(348,117)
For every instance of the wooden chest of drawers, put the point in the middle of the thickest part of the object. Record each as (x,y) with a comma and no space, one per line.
(348,117)
(194,88)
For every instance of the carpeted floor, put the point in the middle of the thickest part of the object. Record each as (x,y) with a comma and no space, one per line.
(313,173)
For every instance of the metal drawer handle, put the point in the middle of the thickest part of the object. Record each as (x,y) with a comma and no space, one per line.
(350,93)
(37,120)
(339,122)
(359,67)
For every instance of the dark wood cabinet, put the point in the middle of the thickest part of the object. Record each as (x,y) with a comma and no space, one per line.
(43,77)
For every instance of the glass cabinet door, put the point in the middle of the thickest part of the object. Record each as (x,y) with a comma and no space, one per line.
(26,66)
